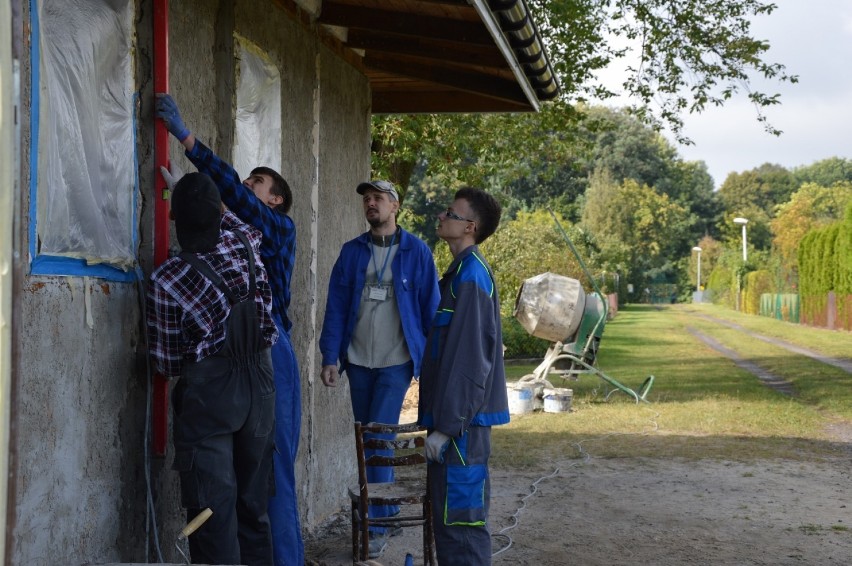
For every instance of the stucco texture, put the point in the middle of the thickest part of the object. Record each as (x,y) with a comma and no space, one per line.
(79,421)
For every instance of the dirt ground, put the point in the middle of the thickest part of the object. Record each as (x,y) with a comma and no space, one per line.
(652,512)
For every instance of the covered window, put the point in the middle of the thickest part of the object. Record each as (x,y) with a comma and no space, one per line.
(83,169)
(258,128)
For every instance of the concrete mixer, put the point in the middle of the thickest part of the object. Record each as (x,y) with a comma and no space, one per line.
(557,308)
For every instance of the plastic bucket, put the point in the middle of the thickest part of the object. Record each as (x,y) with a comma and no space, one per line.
(521,399)
(558,400)
(538,386)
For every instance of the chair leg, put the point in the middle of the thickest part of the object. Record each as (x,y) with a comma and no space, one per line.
(365,534)
(428,544)
(356,526)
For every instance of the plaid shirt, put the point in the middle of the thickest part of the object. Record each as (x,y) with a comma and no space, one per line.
(278,247)
(186,313)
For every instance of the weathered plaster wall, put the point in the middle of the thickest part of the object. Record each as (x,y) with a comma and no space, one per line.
(343,134)
(80,418)
(80,492)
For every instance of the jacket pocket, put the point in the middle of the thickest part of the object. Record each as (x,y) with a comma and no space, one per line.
(442,318)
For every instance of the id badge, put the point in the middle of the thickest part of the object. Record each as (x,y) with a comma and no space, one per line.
(378,293)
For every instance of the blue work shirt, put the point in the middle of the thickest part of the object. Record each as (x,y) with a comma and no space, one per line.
(415,285)
(278,246)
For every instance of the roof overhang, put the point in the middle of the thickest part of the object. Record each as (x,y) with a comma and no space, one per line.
(435,56)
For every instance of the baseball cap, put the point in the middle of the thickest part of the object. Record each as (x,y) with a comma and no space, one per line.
(381,186)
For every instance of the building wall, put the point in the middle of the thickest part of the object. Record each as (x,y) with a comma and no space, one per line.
(80,420)
(79,424)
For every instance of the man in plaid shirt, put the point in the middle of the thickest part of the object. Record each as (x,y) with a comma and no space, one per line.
(210,323)
(263,201)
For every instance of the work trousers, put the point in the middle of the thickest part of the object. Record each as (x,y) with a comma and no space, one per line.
(377,396)
(287,545)
(461,492)
(224,414)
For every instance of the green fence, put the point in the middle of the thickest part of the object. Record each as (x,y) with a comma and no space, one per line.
(780,306)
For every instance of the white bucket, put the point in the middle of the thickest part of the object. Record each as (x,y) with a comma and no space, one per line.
(520,399)
(538,386)
(557,400)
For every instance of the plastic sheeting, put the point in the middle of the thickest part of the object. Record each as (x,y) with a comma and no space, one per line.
(258,130)
(86,179)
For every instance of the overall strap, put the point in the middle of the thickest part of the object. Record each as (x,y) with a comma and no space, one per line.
(214,277)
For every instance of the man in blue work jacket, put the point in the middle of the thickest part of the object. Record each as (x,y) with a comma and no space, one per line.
(463,384)
(382,295)
(263,200)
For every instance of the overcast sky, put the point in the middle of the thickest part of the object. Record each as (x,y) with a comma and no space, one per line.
(813,39)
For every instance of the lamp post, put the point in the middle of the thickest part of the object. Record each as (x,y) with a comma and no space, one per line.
(743,222)
(698,284)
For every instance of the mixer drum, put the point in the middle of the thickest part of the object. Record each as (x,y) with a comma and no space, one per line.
(550,306)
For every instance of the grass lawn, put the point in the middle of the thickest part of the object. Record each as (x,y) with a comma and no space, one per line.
(702,405)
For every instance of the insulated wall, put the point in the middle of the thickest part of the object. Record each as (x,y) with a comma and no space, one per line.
(79,425)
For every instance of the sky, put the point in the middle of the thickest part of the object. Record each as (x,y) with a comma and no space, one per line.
(812,39)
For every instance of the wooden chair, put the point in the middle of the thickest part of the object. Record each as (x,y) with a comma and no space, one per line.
(403,447)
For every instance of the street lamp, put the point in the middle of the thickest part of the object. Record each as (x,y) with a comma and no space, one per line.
(743,221)
(698,284)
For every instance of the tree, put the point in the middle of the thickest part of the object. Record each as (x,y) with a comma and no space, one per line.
(711,251)
(690,185)
(688,55)
(825,172)
(633,227)
(627,148)
(754,195)
(486,150)
(812,206)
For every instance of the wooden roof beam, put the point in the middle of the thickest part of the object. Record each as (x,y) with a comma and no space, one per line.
(468,81)
(401,23)
(425,48)
(440,102)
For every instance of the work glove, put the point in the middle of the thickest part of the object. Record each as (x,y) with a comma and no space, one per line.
(168,112)
(171,175)
(436,444)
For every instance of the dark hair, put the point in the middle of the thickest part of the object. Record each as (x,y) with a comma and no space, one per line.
(486,209)
(279,187)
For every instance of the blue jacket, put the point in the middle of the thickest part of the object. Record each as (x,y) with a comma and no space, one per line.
(463,382)
(415,284)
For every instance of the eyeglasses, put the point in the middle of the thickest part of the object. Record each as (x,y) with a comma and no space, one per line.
(450,214)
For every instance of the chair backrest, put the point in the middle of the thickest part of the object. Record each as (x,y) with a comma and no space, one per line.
(386,447)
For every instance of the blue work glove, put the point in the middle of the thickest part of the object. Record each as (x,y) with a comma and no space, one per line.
(436,444)
(167,110)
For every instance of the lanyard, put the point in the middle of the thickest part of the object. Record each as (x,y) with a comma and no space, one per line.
(380,274)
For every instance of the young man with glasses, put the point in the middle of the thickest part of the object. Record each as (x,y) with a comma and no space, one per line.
(463,385)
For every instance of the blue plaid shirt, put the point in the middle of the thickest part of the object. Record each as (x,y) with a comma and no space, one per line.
(278,247)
